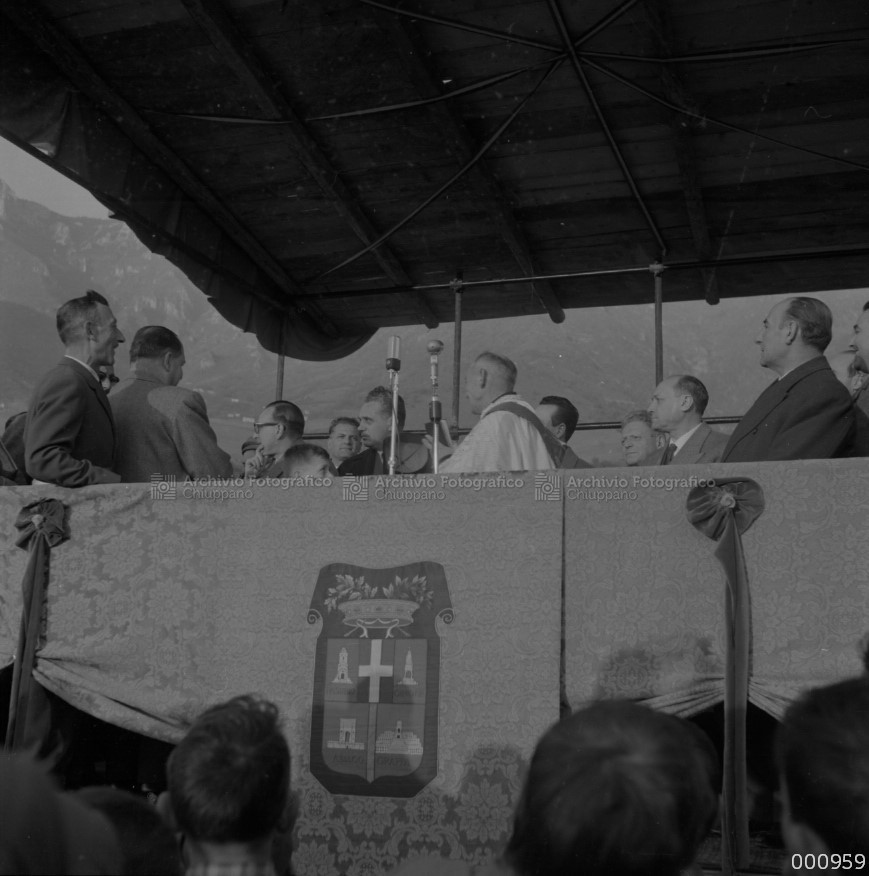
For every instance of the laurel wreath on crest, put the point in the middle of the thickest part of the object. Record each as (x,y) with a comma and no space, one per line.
(349,588)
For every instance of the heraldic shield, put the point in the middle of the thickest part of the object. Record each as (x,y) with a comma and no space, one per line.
(374,728)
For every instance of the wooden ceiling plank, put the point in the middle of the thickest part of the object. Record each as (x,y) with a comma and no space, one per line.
(74,65)
(676,92)
(412,51)
(234,48)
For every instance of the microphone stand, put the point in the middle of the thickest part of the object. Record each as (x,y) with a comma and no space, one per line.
(434,407)
(393,366)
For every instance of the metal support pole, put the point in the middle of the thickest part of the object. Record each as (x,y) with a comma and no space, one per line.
(456,285)
(279,381)
(657,271)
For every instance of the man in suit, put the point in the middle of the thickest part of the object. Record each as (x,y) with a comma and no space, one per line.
(279,427)
(638,439)
(162,428)
(860,346)
(560,416)
(806,413)
(677,407)
(70,433)
(375,430)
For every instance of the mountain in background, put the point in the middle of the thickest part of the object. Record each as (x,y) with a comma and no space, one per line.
(601,358)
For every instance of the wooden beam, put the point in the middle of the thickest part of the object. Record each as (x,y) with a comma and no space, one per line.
(412,51)
(33,21)
(214,20)
(683,143)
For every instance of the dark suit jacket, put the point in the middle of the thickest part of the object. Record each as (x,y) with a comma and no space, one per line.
(69,439)
(368,463)
(705,445)
(164,430)
(808,414)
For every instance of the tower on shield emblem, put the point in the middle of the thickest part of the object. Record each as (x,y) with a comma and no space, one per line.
(374,729)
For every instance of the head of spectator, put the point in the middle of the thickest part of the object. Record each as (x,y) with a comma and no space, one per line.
(88,330)
(279,426)
(823,761)
(615,789)
(229,784)
(43,830)
(157,354)
(147,843)
(489,377)
(795,331)
(845,368)
(860,339)
(639,439)
(677,405)
(559,415)
(108,378)
(375,417)
(343,439)
(307,461)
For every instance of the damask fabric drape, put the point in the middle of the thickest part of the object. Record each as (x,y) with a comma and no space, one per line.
(644,605)
(446,610)
(160,606)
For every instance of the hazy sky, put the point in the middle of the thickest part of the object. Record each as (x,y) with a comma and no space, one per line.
(32,180)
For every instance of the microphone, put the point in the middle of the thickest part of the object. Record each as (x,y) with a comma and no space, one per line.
(434,347)
(393,355)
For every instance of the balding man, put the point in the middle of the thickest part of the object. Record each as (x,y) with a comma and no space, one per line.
(806,413)
(509,436)
(638,439)
(677,407)
(279,427)
(69,438)
(163,429)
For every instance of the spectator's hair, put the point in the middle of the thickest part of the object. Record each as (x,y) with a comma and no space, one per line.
(152,341)
(501,364)
(383,396)
(638,417)
(689,385)
(147,843)
(565,412)
(72,315)
(290,416)
(303,452)
(615,789)
(229,777)
(823,756)
(350,421)
(814,319)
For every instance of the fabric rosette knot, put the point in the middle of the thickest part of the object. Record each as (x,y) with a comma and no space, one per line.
(45,517)
(41,526)
(711,507)
(722,510)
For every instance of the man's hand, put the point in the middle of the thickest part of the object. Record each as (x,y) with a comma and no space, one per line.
(256,465)
(444,450)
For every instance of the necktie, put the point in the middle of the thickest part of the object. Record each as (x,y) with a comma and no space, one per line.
(669,453)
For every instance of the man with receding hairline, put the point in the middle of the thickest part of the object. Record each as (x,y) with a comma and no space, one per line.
(806,413)
(279,427)
(509,436)
(163,429)
(70,433)
(677,407)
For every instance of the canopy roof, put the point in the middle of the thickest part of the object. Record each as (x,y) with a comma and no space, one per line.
(322,168)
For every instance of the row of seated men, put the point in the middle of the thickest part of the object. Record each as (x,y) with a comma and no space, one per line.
(151,427)
(614,789)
